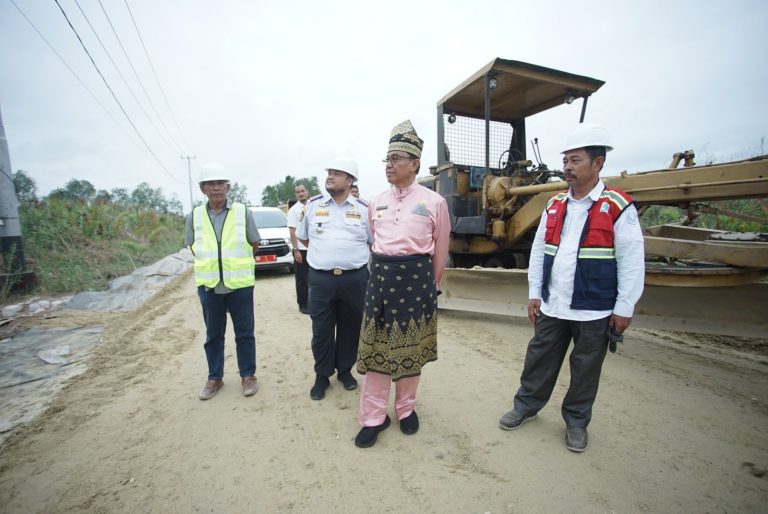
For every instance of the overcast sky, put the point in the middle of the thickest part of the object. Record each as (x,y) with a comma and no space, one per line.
(275,88)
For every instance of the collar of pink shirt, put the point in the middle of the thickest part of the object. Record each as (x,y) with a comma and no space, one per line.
(402,192)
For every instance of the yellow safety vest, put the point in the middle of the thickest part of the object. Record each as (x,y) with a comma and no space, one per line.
(230,259)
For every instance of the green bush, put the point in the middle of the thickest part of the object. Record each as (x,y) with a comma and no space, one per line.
(74,246)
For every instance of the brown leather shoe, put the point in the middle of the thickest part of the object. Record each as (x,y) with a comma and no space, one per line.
(250,386)
(210,389)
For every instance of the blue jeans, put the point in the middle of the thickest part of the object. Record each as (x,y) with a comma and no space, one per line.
(239,303)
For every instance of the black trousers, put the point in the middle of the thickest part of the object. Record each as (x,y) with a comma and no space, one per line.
(336,308)
(544,358)
(300,274)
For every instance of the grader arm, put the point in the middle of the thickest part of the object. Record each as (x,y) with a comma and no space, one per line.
(719,288)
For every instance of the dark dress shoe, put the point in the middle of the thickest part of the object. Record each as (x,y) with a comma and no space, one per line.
(576,439)
(318,390)
(346,378)
(368,435)
(303,309)
(513,420)
(410,424)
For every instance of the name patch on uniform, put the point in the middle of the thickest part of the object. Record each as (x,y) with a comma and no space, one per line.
(352,214)
(604,207)
(552,211)
(322,213)
(381,207)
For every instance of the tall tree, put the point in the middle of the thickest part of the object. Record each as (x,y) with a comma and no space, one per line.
(175,206)
(103,196)
(26,187)
(147,197)
(238,193)
(120,196)
(75,190)
(279,194)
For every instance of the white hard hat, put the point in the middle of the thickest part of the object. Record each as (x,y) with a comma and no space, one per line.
(588,134)
(348,167)
(212,171)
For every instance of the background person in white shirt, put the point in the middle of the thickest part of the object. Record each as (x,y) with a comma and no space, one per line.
(585,276)
(299,250)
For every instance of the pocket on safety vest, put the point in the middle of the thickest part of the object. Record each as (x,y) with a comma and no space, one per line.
(598,278)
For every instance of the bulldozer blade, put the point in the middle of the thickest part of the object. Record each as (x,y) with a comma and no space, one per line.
(737,310)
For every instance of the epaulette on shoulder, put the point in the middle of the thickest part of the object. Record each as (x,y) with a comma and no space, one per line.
(614,190)
(316,197)
(361,201)
(557,198)
(618,197)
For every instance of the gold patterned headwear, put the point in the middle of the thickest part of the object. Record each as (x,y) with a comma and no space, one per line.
(405,138)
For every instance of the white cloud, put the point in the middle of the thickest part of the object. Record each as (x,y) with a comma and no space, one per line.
(271,89)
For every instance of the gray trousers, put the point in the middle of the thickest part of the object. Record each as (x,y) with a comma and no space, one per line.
(544,358)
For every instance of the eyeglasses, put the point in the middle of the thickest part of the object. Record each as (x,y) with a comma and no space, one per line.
(393,159)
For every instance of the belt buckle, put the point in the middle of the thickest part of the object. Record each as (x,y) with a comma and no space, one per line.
(337,271)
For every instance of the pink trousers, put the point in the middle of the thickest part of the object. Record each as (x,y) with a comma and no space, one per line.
(374,397)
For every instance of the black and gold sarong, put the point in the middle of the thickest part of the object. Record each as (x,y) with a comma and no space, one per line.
(399,331)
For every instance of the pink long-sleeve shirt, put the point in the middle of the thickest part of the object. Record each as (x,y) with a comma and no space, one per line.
(411,220)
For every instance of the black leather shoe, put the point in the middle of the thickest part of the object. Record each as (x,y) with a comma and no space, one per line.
(346,378)
(410,424)
(513,420)
(576,439)
(368,435)
(303,309)
(318,390)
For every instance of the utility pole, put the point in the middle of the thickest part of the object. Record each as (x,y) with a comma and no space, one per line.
(13,268)
(189,176)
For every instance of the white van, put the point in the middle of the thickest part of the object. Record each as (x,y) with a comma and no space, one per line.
(275,250)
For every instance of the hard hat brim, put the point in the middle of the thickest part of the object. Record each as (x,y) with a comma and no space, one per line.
(212,178)
(343,171)
(607,148)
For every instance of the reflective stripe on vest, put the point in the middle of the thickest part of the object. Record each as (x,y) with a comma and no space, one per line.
(595,284)
(230,260)
(597,253)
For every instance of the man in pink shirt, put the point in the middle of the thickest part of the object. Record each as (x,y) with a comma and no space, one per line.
(411,228)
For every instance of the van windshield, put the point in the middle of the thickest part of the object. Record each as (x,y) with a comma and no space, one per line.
(269,219)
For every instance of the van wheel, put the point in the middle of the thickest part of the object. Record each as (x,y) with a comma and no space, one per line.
(291,269)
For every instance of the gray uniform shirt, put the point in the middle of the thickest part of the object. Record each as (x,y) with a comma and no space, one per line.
(339,235)
(217,219)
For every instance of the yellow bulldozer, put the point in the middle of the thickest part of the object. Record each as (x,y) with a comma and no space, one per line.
(698,280)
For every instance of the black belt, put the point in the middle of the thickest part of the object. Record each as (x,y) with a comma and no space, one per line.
(337,271)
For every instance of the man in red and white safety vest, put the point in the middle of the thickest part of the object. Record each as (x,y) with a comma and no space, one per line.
(585,275)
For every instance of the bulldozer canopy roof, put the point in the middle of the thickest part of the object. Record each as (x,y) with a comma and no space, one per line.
(523,90)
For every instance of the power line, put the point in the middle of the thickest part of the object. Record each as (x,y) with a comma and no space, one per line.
(149,149)
(95,99)
(135,73)
(162,91)
(93,29)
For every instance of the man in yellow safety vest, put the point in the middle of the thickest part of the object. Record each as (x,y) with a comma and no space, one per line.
(223,238)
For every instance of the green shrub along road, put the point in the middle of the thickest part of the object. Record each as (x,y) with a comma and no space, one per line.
(74,247)
(78,239)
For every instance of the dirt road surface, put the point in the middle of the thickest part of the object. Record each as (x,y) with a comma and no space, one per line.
(680,425)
